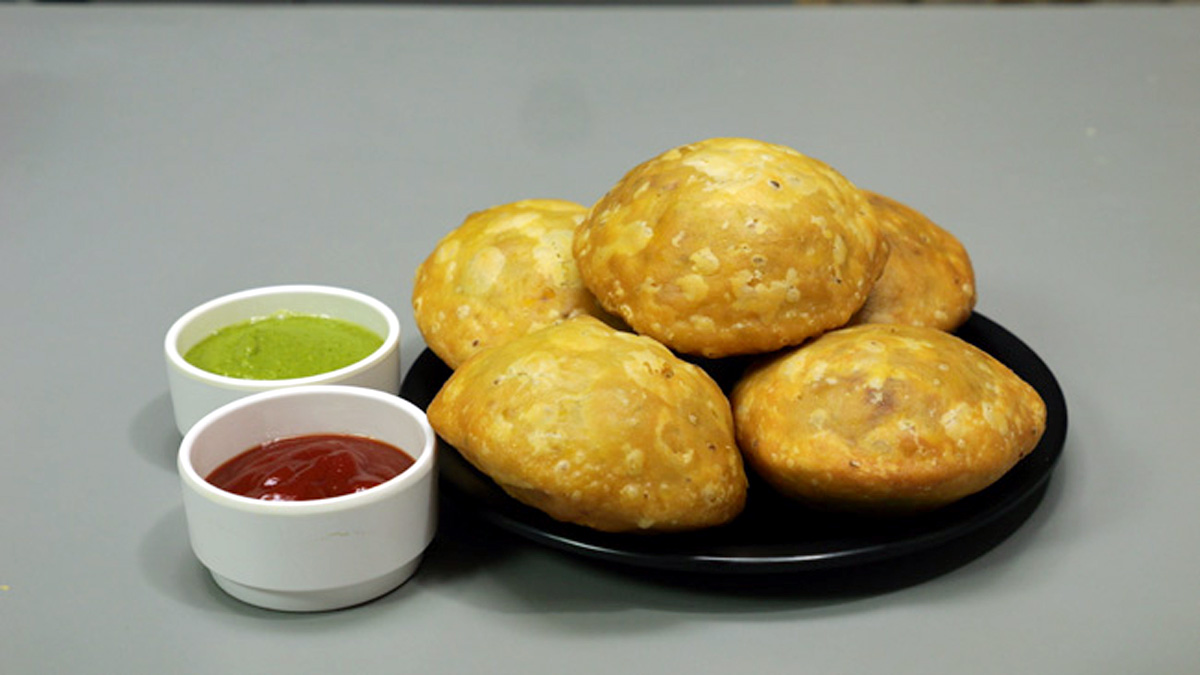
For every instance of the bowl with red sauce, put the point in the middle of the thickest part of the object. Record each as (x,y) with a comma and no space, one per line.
(275,337)
(310,498)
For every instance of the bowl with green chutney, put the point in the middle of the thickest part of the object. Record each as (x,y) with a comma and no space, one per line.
(276,337)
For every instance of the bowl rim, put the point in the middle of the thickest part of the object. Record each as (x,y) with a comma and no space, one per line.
(422,467)
(175,357)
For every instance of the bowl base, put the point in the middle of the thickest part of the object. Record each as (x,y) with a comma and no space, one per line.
(318,600)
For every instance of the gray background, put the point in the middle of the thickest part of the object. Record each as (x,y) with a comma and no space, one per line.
(153,158)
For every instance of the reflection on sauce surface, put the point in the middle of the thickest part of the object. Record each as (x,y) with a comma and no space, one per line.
(315,466)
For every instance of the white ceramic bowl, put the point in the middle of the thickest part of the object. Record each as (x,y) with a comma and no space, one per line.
(196,392)
(319,554)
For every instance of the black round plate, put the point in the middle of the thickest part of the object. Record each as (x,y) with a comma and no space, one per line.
(775,535)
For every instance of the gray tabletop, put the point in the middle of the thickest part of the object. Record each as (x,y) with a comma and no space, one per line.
(151,159)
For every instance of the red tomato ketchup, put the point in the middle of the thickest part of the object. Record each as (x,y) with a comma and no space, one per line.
(310,467)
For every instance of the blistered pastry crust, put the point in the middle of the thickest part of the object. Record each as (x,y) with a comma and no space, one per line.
(504,272)
(928,279)
(731,246)
(597,427)
(885,418)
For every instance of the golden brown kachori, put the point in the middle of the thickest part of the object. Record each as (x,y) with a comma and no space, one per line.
(597,427)
(505,271)
(927,280)
(885,419)
(731,246)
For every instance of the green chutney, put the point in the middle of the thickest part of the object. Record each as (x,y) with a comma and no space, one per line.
(283,346)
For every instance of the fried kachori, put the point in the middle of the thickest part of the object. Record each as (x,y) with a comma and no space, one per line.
(505,271)
(731,246)
(928,279)
(597,427)
(884,419)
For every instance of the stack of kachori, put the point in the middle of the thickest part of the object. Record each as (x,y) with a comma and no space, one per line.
(572,333)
